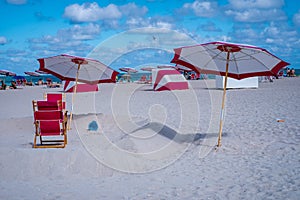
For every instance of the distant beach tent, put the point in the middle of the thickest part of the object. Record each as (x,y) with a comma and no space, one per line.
(69,86)
(168,79)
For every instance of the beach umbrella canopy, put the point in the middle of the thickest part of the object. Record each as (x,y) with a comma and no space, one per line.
(32,74)
(40,72)
(243,60)
(165,66)
(230,60)
(149,69)
(7,73)
(73,68)
(128,69)
(183,68)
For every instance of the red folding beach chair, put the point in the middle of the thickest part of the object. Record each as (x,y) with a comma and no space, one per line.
(56,97)
(46,105)
(51,128)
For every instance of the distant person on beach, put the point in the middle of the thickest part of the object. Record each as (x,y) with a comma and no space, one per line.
(40,82)
(292,72)
(288,72)
(13,85)
(49,82)
(3,85)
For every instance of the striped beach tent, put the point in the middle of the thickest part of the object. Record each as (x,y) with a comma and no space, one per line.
(81,87)
(168,79)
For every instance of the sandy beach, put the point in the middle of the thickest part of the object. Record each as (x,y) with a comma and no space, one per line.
(157,145)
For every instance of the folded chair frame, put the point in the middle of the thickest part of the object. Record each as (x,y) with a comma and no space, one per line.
(45,128)
(50,120)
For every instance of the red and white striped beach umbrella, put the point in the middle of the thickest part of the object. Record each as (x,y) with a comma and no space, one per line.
(148,69)
(32,74)
(230,60)
(236,60)
(128,69)
(183,68)
(40,72)
(166,67)
(78,69)
(73,68)
(7,73)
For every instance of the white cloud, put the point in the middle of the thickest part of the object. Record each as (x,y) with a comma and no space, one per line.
(16,2)
(256,15)
(225,38)
(256,10)
(70,35)
(276,37)
(78,32)
(210,26)
(163,25)
(66,40)
(132,10)
(270,40)
(251,33)
(3,40)
(272,31)
(247,34)
(260,4)
(135,22)
(149,30)
(201,8)
(149,23)
(296,18)
(279,31)
(40,16)
(91,12)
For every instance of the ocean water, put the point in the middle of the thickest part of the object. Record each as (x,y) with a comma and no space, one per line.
(33,79)
(134,77)
(137,76)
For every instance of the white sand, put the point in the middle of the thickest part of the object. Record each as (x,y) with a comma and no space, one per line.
(157,145)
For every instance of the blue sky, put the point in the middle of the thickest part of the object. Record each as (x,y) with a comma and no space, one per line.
(141,33)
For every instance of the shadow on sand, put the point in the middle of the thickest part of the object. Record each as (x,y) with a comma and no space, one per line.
(172,134)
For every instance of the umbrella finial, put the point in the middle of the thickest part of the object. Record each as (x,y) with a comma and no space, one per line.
(80,61)
(229,48)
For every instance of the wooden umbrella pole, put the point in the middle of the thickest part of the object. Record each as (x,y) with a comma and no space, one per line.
(74,92)
(223,102)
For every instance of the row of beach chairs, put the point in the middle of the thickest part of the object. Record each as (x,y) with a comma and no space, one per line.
(50,120)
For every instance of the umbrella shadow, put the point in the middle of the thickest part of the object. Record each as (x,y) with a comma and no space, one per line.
(172,134)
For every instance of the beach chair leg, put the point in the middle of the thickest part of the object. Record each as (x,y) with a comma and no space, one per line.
(41,140)
(65,139)
(47,143)
(34,142)
(51,146)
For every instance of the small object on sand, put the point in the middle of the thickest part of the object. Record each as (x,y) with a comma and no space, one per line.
(93,126)
(280,120)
